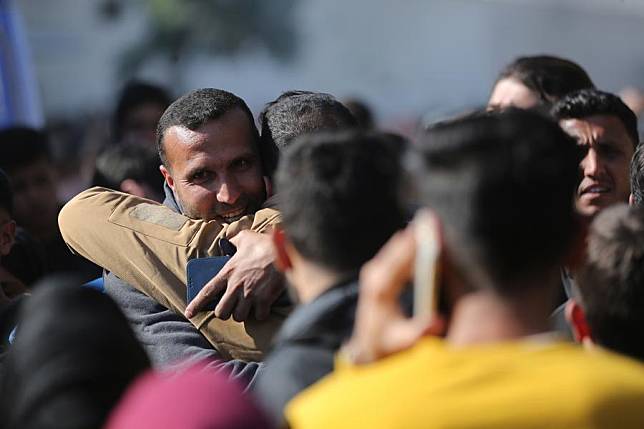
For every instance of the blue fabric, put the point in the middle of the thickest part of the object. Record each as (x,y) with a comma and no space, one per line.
(19,98)
(96,284)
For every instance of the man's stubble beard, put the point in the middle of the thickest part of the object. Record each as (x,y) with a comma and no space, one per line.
(188,210)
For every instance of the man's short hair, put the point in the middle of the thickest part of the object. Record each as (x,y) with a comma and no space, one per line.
(549,77)
(637,176)
(21,147)
(198,107)
(339,196)
(611,283)
(295,113)
(118,163)
(6,194)
(503,184)
(592,102)
(133,95)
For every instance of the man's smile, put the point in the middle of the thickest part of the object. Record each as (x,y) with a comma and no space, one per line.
(232,215)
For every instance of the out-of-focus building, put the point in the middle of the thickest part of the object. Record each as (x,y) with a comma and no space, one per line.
(403,58)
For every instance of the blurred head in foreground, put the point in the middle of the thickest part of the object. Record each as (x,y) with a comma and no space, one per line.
(74,356)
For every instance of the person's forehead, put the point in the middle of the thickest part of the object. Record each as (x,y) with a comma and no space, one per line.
(226,136)
(510,92)
(597,128)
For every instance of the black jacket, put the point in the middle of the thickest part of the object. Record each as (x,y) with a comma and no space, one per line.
(305,346)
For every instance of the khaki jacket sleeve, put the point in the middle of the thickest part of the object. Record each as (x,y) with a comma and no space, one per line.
(148,245)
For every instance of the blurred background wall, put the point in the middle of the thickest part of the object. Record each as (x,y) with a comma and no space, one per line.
(403,57)
(407,59)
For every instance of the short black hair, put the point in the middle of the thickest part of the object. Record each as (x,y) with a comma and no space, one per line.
(295,113)
(611,283)
(196,108)
(21,147)
(339,196)
(6,193)
(118,163)
(591,102)
(548,76)
(134,94)
(503,184)
(637,176)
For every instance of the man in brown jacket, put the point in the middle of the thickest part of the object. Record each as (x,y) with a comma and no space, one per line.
(213,172)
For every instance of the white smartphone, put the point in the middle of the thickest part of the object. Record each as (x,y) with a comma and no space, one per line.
(427,264)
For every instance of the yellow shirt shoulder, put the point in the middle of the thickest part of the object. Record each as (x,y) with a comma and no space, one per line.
(508,385)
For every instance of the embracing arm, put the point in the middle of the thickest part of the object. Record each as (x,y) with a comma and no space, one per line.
(148,245)
(142,242)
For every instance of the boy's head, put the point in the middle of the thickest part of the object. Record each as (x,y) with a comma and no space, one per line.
(502,185)
(607,308)
(636,197)
(606,129)
(295,113)
(26,158)
(339,197)
(137,112)
(131,169)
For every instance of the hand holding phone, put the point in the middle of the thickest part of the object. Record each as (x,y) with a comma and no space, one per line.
(200,271)
(427,263)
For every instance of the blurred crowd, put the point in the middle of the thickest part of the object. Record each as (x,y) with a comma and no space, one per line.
(206,267)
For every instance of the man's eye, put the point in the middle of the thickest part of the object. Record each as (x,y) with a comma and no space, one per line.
(242,164)
(583,149)
(200,177)
(609,151)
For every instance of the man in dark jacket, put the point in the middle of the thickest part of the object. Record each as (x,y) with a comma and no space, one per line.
(339,204)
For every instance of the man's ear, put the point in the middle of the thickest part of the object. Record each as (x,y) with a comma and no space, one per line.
(282,261)
(577,320)
(166,175)
(631,199)
(7,237)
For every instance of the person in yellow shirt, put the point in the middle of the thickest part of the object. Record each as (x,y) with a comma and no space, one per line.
(501,187)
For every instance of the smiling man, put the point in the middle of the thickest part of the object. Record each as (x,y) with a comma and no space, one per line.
(212,165)
(215,187)
(607,131)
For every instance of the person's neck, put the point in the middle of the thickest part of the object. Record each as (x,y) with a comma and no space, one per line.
(310,280)
(485,317)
